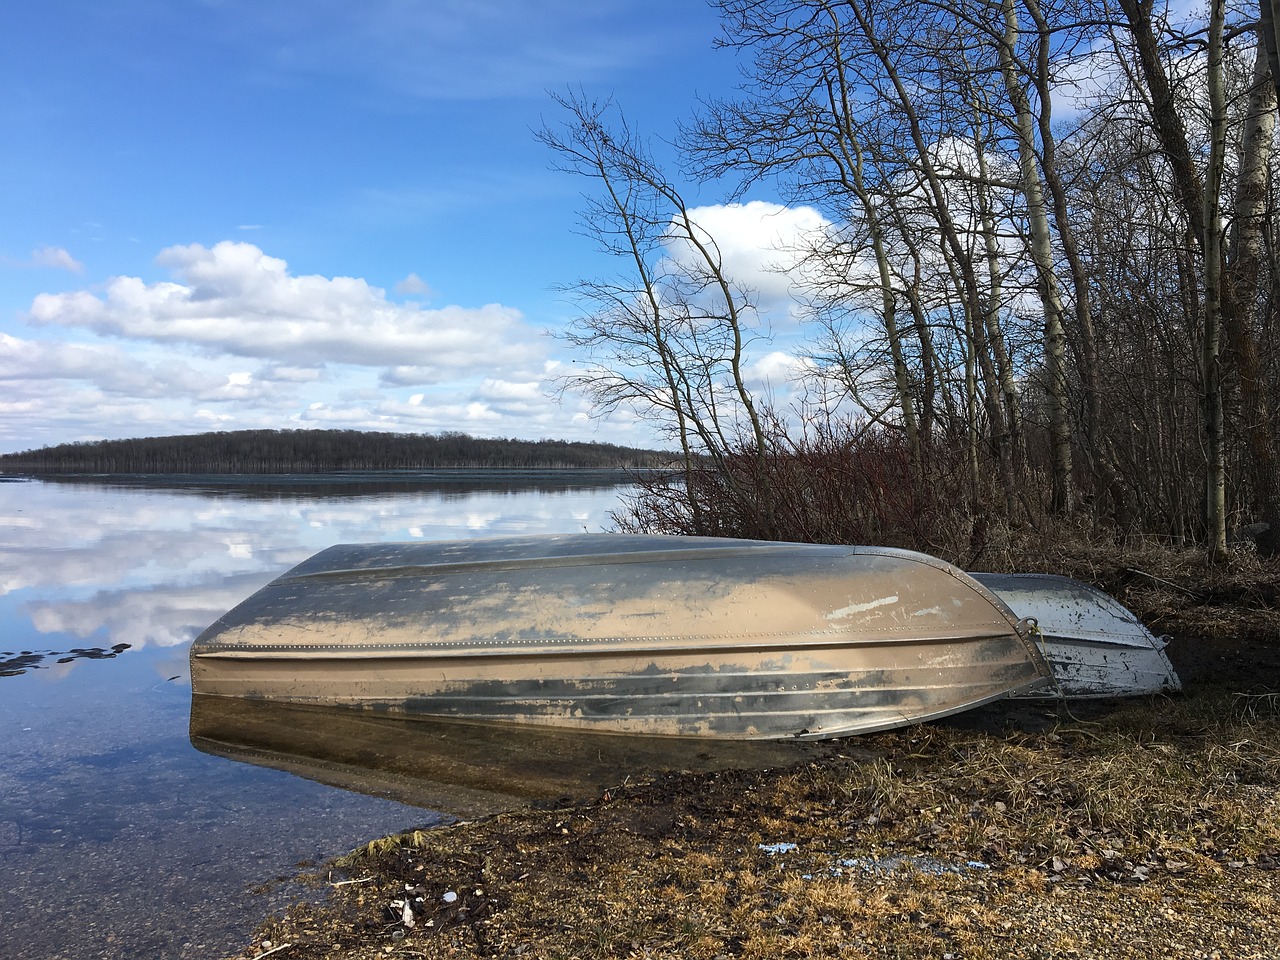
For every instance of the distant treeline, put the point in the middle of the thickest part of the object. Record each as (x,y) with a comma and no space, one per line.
(321,451)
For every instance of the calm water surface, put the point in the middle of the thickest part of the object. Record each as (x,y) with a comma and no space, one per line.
(117,837)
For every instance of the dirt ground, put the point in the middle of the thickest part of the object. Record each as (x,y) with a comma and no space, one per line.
(1121,829)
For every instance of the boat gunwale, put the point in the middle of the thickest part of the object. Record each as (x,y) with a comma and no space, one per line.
(582,648)
(701,551)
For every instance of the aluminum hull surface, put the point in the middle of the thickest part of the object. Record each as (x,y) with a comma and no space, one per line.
(679,636)
(1095,645)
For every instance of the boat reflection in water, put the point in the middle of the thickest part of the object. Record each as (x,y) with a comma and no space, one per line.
(460,768)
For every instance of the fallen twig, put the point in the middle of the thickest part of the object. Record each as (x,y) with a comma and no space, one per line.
(1167,583)
(346,883)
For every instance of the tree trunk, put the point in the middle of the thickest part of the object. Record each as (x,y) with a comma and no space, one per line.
(1055,359)
(994,299)
(1200,203)
(975,304)
(1216,480)
(851,155)
(1245,260)
(1099,453)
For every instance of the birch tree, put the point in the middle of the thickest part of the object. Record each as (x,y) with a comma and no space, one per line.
(1228,311)
(1043,260)
(837,82)
(1211,247)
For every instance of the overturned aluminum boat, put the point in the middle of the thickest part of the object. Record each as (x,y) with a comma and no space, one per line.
(680,636)
(1095,645)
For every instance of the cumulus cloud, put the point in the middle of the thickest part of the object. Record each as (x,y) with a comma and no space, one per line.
(419,412)
(108,368)
(288,374)
(51,392)
(56,257)
(506,390)
(776,368)
(761,244)
(235,299)
(413,285)
(232,339)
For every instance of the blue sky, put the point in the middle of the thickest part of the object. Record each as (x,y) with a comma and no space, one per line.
(224,214)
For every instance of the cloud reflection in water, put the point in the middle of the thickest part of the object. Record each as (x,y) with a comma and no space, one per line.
(100,566)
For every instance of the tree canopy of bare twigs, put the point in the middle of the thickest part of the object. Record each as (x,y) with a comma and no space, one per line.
(1048,268)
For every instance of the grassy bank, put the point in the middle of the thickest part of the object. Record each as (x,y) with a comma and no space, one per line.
(1154,828)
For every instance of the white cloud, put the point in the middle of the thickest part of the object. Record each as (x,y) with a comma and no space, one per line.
(290,374)
(480,415)
(110,369)
(131,358)
(413,285)
(234,299)
(506,390)
(776,368)
(56,257)
(760,244)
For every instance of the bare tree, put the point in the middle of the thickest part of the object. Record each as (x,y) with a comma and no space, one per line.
(836,114)
(1228,311)
(1245,263)
(1211,246)
(1087,308)
(668,338)
(1042,258)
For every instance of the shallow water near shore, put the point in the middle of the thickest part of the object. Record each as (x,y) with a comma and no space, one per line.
(119,838)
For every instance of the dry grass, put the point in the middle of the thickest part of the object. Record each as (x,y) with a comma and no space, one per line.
(1156,829)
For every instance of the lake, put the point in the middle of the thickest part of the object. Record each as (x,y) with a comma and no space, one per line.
(118,837)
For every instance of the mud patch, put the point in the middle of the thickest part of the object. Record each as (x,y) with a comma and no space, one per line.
(14,664)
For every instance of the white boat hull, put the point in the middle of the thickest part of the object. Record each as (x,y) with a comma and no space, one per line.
(1095,645)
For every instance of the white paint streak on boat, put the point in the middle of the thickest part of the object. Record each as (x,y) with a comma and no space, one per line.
(854,609)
